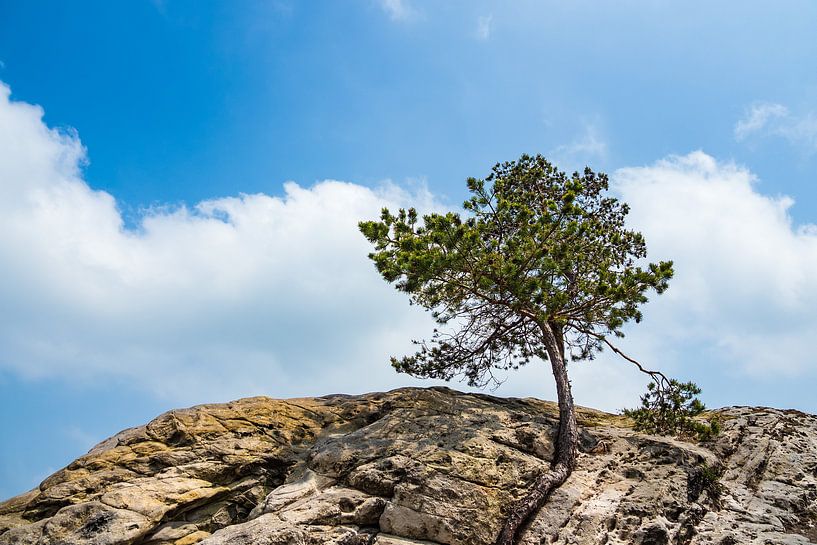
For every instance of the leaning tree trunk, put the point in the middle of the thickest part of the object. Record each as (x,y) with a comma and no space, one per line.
(566,442)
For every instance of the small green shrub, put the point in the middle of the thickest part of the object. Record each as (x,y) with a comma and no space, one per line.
(705,478)
(669,408)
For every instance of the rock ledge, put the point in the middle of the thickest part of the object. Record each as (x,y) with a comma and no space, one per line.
(421,466)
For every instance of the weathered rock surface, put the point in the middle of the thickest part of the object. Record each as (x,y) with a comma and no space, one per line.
(422,466)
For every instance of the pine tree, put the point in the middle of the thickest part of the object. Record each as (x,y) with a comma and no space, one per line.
(539,266)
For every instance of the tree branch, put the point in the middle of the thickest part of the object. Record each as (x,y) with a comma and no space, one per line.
(661,380)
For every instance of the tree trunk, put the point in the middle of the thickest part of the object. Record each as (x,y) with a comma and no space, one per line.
(566,443)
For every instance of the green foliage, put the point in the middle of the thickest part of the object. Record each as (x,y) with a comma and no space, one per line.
(705,478)
(538,259)
(670,407)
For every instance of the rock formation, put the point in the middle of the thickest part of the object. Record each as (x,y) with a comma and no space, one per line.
(422,466)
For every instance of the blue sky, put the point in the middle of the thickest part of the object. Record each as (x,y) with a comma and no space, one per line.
(126,293)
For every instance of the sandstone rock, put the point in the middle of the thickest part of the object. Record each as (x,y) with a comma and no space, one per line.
(387,539)
(418,466)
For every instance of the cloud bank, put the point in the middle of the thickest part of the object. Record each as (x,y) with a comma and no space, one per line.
(258,294)
(745,288)
(231,297)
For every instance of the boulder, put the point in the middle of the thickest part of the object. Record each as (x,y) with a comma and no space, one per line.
(422,466)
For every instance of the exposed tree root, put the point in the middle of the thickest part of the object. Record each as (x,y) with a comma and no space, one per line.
(530,504)
(567,441)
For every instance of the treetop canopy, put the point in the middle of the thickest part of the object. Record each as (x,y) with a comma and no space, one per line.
(535,251)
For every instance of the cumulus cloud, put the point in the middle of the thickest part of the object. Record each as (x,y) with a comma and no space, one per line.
(744,290)
(232,296)
(772,119)
(260,294)
(236,296)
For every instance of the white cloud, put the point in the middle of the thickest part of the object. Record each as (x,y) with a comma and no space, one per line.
(589,145)
(257,294)
(758,117)
(744,290)
(771,119)
(398,10)
(234,296)
(484,26)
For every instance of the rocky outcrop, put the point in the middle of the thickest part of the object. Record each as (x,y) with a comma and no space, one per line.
(422,466)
